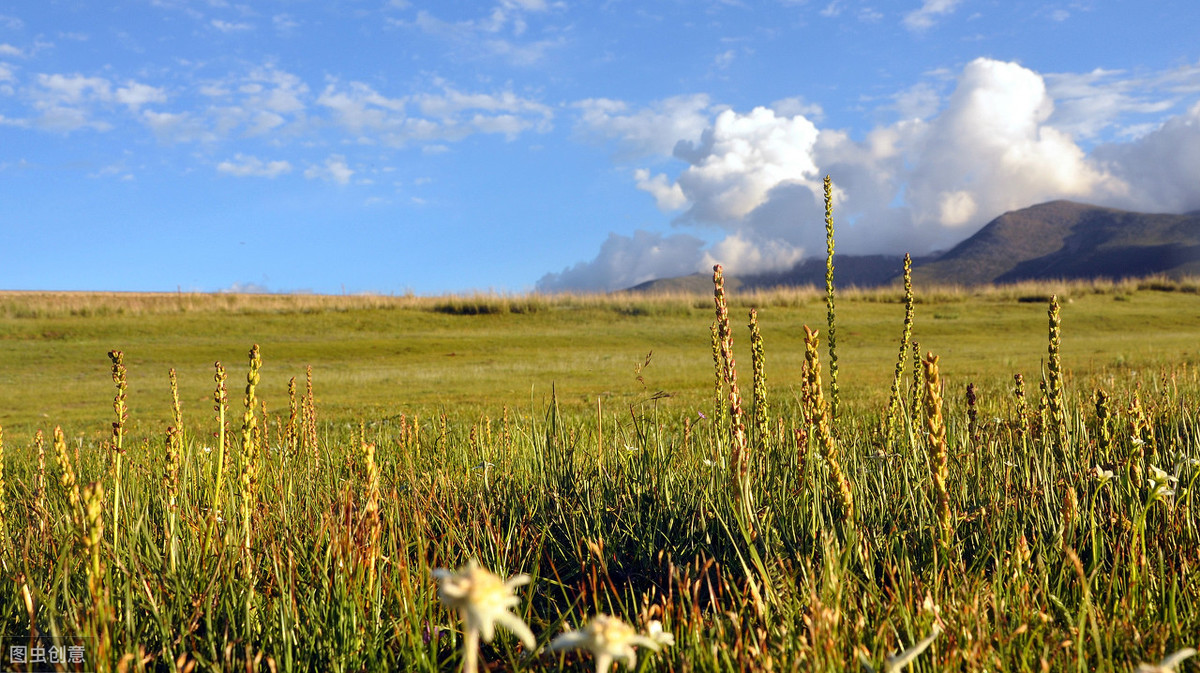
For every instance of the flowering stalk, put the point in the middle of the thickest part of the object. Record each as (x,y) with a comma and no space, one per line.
(737,427)
(758,360)
(938,451)
(1022,404)
(893,410)
(66,475)
(118,434)
(3,506)
(221,401)
(92,535)
(39,491)
(833,360)
(1054,383)
(172,446)
(249,477)
(719,410)
(818,412)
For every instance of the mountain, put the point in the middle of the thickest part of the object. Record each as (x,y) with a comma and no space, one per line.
(1055,240)
(1064,239)
(848,271)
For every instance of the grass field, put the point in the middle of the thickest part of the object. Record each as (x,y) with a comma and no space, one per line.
(1035,537)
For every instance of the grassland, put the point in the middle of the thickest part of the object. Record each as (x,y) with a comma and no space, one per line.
(613,492)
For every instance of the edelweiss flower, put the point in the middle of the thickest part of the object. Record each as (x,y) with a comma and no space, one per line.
(1168,664)
(482,600)
(611,639)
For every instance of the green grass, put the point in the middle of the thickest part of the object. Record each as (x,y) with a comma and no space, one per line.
(1099,580)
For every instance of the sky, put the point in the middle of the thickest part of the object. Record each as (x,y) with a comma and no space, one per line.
(405,146)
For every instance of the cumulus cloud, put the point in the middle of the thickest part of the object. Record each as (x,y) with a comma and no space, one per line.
(924,18)
(1161,168)
(668,195)
(648,131)
(335,169)
(625,261)
(249,166)
(946,167)
(135,95)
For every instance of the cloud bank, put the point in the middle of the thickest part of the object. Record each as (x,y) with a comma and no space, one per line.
(751,181)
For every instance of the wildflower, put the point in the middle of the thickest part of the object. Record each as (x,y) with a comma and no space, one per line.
(1138,441)
(483,465)
(611,639)
(1168,664)
(1102,475)
(1161,480)
(482,600)
(701,415)
(631,449)
(1160,477)
(655,630)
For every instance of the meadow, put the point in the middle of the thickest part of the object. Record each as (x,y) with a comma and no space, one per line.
(625,455)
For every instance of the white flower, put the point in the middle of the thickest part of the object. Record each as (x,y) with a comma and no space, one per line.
(482,599)
(1168,664)
(1160,477)
(1138,441)
(631,449)
(655,630)
(1102,475)
(483,465)
(610,639)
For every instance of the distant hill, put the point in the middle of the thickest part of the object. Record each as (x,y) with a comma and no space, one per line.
(849,271)
(1059,239)
(1064,239)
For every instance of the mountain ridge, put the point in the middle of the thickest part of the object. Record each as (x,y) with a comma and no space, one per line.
(1058,239)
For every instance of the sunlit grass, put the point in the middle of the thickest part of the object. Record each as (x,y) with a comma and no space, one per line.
(551,448)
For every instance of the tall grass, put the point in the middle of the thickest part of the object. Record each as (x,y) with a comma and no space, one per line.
(807,544)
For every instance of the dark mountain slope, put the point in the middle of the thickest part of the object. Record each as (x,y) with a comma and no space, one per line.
(1063,239)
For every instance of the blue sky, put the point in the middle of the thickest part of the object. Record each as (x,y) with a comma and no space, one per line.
(511,145)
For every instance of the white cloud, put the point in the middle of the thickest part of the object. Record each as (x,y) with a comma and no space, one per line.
(134,95)
(335,169)
(285,24)
(249,166)
(59,89)
(1162,168)
(651,130)
(501,32)
(924,18)
(230,26)
(1088,104)
(668,195)
(797,105)
(10,50)
(176,127)
(625,261)
(997,142)
(740,158)
(449,115)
